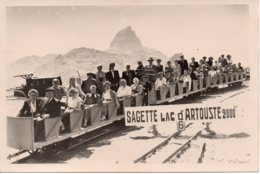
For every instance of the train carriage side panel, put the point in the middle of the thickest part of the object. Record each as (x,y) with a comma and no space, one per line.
(201,79)
(139,100)
(76,118)
(94,113)
(226,78)
(172,90)
(220,79)
(20,133)
(152,96)
(180,88)
(112,110)
(52,127)
(163,92)
(195,85)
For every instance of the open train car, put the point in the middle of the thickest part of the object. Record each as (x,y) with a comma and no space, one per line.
(20,131)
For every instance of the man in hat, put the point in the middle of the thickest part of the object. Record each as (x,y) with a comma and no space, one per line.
(113,76)
(159,67)
(128,75)
(183,63)
(50,106)
(59,91)
(151,66)
(88,82)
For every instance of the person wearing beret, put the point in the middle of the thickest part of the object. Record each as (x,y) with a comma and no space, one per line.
(128,75)
(113,77)
(85,86)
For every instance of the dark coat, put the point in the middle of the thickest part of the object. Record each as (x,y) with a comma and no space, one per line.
(159,68)
(26,110)
(210,62)
(113,80)
(194,65)
(85,86)
(184,65)
(53,108)
(129,76)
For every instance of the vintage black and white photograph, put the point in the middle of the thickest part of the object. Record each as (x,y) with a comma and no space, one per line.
(133,86)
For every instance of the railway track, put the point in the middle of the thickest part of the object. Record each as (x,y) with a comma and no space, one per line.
(178,146)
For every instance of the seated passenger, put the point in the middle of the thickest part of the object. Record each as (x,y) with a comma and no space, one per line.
(93,97)
(160,82)
(123,90)
(169,78)
(137,88)
(31,107)
(74,104)
(108,95)
(186,79)
(50,106)
(74,84)
(199,73)
(212,72)
(59,90)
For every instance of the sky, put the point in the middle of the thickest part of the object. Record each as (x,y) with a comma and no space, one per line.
(195,30)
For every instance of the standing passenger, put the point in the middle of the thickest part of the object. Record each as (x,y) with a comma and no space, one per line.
(88,82)
(100,78)
(128,75)
(113,76)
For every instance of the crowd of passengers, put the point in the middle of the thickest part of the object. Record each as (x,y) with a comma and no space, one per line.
(104,87)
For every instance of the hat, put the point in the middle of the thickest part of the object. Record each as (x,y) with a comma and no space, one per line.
(168,61)
(158,60)
(90,74)
(33,91)
(150,59)
(99,66)
(55,80)
(127,66)
(228,56)
(107,82)
(49,89)
(139,62)
(181,56)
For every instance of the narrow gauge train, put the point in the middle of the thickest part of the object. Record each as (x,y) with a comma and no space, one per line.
(20,130)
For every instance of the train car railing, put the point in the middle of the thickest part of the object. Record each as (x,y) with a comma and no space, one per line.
(76,119)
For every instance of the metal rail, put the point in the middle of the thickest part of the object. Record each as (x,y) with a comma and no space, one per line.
(159,146)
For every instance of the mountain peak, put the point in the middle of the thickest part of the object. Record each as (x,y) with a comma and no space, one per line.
(126,41)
